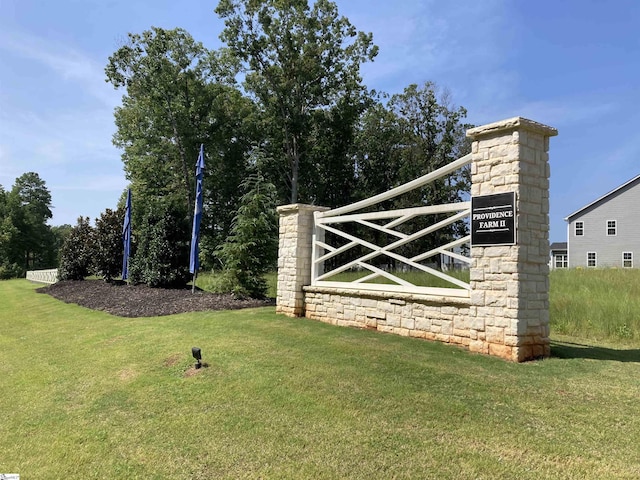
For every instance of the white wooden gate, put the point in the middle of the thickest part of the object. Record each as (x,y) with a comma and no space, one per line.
(333,222)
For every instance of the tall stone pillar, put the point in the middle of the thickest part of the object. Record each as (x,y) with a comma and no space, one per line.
(294,257)
(509,312)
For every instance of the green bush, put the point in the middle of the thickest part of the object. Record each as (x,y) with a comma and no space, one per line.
(10,270)
(162,248)
(77,253)
(251,249)
(108,244)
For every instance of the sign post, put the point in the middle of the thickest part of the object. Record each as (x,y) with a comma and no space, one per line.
(493,219)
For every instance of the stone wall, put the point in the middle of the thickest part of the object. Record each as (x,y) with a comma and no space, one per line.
(507,313)
(445,319)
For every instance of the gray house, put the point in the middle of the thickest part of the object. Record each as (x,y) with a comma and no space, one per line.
(606,232)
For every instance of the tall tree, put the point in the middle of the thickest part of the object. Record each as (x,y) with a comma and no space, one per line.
(417,132)
(162,72)
(179,95)
(29,206)
(8,236)
(297,59)
(433,135)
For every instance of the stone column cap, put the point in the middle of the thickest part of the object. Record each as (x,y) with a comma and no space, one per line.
(298,207)
(514,123)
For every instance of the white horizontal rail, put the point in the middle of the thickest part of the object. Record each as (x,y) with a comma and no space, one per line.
(407,213)
(407,187)
(445,292)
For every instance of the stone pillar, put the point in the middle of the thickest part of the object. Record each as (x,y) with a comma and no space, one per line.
(509,313)
(294,257)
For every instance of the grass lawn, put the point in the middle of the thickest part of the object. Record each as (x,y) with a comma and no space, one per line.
(89,395)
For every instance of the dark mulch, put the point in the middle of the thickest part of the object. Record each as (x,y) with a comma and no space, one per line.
(142,301)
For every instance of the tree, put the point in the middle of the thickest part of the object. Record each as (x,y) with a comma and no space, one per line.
(28,206)
(251,249)
(60,234)
(297,59)
(108,244)
(77,253)
(180,95)
(433,136)
(162,249)
(8,235)
(417,132)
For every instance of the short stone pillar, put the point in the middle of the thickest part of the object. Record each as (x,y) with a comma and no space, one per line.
(294,256)
(509,311)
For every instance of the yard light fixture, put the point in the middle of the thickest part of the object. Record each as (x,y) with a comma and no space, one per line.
(195,351)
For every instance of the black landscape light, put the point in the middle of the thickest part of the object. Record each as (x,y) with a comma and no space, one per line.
(195,351)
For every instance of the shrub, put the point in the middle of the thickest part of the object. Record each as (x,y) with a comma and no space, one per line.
(251,249)
(10,270)
(76,255)
(108,244)
(162,254)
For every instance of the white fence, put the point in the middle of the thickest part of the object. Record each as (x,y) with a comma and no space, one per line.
(504,311)
(43,276)
(330,221)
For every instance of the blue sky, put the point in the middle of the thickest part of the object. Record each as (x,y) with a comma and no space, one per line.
(571,64)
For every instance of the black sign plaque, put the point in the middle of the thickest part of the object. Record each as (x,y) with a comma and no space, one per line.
(493,219)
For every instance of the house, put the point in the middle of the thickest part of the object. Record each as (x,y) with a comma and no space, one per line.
(558,257)
(606,232)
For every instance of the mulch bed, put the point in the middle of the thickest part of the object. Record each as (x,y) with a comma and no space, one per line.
(142,301)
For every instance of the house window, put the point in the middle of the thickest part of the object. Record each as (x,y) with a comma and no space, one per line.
(611,228)
(627,259)
(592,260)
(561,261)
(579,229)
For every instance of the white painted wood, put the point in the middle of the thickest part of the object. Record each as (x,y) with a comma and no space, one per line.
(407,187)
(327,221)
(443,292)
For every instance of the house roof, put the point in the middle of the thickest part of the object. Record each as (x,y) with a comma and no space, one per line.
(555,246)
(605,197)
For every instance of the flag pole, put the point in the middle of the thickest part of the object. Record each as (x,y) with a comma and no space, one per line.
(194,262)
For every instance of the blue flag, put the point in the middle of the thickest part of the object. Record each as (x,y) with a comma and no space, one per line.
(126,237)
(194,261)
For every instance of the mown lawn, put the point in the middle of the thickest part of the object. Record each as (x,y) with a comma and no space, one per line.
(89,395)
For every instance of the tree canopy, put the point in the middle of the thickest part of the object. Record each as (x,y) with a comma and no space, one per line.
(286,84)
(26,241)
(297,60)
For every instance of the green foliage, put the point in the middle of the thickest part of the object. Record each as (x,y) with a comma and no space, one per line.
(417,132)
(12,270)
(161,258)
(60,234)
(26,239)
(77,253)
(180,95)
(251,249)
(298,59)
(108,244)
